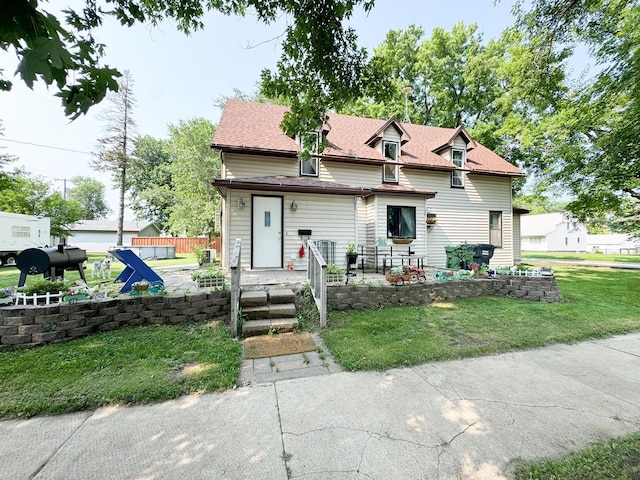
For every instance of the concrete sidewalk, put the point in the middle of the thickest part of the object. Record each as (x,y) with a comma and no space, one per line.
(466,419)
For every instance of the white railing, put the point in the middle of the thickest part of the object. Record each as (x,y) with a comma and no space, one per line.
(317,276)
(236,267)
(49,298)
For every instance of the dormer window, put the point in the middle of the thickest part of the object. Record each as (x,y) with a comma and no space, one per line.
(458,159)
(309,146)
(390,169)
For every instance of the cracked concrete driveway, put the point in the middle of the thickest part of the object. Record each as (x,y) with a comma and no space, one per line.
(466,419)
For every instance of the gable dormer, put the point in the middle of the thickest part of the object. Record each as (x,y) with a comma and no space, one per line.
(455,150)
(309,146)
(388,141)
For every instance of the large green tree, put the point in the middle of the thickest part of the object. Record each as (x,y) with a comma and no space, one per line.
(321,65)
(90,194)
(591,145)
(114,154)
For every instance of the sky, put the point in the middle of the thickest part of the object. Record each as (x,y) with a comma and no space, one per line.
(178,78)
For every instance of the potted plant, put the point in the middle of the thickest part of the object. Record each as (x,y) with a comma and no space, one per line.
(398,275)
(352,254)
(212,277)
(335,274)
(200,254)
(403,241)
(464,253)
(431,219)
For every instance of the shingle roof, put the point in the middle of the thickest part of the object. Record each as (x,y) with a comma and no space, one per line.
(255,127)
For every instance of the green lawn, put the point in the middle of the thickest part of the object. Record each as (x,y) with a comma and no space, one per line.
(595,257)
(597,302)
(9,276)
(619,459)
(133,365)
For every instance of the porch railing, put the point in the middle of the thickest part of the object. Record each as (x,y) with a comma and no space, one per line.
(317,276)
(235,266)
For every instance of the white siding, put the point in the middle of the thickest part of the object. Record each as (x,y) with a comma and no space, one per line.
(243,166)
(329,217)
(517,240)
(463,213)
(350,174)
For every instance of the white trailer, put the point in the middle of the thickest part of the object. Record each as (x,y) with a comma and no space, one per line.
(19,232)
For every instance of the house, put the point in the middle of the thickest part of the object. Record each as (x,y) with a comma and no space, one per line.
(374,182)
(552,232)
(613,243)
(101,235)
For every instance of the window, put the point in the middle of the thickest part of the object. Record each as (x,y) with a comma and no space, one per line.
(390,171)
(309,145)
(401,222)
(495,229)
(19,231)
(457,178)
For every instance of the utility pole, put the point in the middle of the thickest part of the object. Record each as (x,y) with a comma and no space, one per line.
(64,187)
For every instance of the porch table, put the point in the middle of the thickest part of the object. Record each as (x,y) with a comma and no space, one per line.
(388,253)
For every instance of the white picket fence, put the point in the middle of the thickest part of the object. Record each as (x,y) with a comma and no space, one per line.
(49,298)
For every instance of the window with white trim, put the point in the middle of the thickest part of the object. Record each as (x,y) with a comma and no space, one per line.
(309,146)
(458,159)
(390,169)
(401,222)
(495,229)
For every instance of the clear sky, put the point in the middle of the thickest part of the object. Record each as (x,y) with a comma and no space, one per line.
(178,77)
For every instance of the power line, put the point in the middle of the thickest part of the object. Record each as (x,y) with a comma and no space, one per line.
(45,146)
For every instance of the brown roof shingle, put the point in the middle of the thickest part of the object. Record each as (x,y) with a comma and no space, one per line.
(255,127)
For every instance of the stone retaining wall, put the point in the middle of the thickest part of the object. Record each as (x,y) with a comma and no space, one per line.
(358,297)
(27,327)
(31,326)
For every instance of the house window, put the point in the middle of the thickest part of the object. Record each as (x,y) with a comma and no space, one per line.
(457,177)
(309,145)
(495,229)
(401,222)
(390,171)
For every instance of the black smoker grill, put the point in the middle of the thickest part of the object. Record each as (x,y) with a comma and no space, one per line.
(51,262)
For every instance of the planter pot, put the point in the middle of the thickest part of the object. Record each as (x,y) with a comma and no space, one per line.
(352,258)
(398,279)
(211,282)
(403,241)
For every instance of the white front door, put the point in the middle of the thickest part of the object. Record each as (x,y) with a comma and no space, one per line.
(266,232)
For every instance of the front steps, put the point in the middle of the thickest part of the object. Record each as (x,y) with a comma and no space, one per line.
(263,311)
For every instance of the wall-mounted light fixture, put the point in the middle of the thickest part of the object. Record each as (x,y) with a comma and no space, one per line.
(241,203)
(294,206)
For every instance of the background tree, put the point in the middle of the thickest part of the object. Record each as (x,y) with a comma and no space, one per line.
(5,160)
(150,187)
(90,194)
(592,143)
(115,148)
(193,167)
(33,196)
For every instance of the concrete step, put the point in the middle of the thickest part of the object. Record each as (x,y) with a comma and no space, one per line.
(281,295)
(262,326)
(269,311)
(253,299)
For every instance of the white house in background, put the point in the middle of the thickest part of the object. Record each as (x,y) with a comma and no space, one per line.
(100,235)
(613,243)
(552,232)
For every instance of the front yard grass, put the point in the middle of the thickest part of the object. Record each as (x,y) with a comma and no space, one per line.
(132,365)
(595,257)
(618,458)
(597,302)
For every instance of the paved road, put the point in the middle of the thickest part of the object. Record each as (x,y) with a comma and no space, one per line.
(466,419)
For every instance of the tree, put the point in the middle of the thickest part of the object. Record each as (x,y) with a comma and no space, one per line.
(321,65)
(593,141)
(5,159)
(150,187)
(193,168)
(90,194)
(114,149)
(32,196)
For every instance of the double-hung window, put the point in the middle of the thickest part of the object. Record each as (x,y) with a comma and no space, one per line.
(401,222)
(309,145)
(390,171)
(495,229)
(457,176)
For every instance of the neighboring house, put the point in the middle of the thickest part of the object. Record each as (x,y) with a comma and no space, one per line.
(375,180)
(100,235)
(613,243)
(552,232)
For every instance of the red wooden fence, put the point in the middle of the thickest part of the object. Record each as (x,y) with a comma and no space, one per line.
(183,245)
